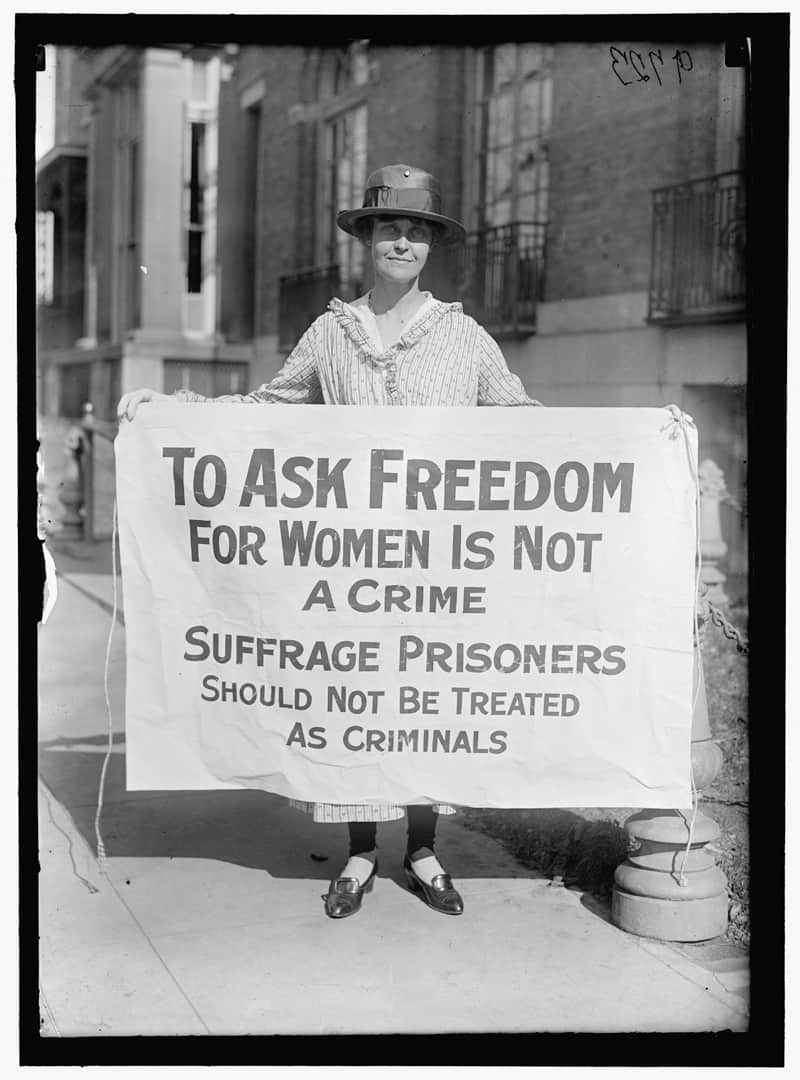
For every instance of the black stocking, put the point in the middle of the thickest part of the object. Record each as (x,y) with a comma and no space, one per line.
(362,837)
(421,831)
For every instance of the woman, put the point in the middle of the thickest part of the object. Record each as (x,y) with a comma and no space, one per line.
(396,345)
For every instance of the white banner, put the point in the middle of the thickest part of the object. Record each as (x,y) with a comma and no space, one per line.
(487,607)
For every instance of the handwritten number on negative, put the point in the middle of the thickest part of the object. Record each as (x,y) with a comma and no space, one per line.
(632,62)
(638,68)
(679,62)
(653,57)
(621,56)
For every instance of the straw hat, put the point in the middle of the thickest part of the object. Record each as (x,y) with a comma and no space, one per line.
(403,191)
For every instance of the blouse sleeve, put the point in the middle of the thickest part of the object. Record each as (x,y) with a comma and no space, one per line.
(297,383)
(496,384)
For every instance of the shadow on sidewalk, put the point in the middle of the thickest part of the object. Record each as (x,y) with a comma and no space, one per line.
(82,556)
(248,828)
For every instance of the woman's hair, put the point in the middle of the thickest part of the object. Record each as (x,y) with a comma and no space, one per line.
(363,228)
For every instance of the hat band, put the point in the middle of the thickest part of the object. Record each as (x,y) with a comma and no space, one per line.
(402,199)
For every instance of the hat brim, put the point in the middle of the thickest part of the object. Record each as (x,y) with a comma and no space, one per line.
(452,231)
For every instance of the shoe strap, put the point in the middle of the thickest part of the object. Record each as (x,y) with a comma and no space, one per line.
(347,884)
(442,882)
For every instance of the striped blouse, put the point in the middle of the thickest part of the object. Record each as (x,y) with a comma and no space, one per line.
(443,357)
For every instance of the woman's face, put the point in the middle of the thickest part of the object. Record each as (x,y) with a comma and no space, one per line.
(400,248)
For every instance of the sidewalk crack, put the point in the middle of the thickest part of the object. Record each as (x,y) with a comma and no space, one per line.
(44,1008)
(70,849)
(158,955)
(680,968)
(50,799)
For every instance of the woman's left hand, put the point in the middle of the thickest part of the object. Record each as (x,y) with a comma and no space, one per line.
(678,420)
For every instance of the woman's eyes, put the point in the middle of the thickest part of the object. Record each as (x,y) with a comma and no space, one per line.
(417,236)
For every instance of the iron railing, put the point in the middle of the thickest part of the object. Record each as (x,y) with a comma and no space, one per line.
(498,275)
(501,276)
(698,249)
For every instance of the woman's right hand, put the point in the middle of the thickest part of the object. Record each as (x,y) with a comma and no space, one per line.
(130,402)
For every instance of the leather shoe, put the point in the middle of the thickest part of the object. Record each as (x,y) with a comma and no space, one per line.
(441,895)
(345,894)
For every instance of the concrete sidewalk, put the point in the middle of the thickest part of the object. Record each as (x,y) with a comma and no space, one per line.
(208,915)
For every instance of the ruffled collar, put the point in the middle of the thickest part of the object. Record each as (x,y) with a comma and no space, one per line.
(353,325)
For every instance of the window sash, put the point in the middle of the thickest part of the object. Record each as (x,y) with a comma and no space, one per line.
(345,165)
(128,212)
(513,116)
(194,193)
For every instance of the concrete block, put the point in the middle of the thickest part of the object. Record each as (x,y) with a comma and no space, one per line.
(661,900)
(654,856)
(591,313)
(672,885)
(672,827)
(618,357)
(711,353)
(670,920)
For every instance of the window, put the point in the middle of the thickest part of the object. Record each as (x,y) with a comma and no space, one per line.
(250,204)
(343,75)
(345,175)
(129,219)
(351,67)
(502,271)
(514,106)
(195,173)
(200,160)
(195,192)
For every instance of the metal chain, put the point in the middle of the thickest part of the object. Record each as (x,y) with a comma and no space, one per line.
(728,629)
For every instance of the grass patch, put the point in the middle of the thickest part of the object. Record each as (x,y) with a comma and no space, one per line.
(582,847)
(727,800)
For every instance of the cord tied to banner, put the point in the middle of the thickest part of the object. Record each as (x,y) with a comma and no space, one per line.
(101,848)
(681,423)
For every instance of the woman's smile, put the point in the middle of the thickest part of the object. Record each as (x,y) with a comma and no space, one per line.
(400,246)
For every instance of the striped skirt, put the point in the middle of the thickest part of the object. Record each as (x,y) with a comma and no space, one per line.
(332,813)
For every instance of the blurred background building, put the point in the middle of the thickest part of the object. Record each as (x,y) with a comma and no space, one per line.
(187,202)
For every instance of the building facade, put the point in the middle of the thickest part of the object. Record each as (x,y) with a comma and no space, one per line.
(602,189)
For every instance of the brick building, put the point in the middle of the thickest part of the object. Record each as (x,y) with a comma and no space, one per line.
(602,192)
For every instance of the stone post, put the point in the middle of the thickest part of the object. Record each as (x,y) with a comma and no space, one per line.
(71,486)
(662,890)
(712,546)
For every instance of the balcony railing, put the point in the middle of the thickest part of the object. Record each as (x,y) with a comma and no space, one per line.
(698,262)
(498,275)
